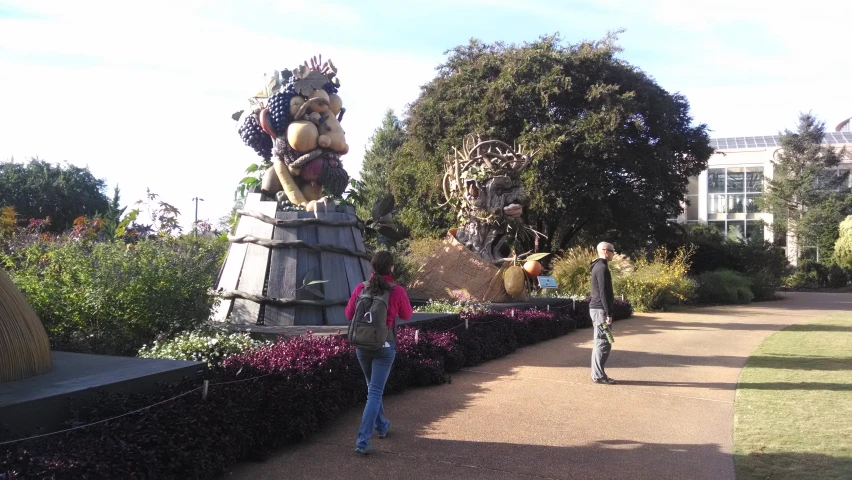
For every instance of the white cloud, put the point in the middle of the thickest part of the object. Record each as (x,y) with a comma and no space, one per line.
(143,92)
(154,110)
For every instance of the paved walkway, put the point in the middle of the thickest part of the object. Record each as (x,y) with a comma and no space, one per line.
(536,414)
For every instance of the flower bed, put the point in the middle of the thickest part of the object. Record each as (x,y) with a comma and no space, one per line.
(267,397)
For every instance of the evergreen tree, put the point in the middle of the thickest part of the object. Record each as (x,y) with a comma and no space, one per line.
(808,194)
(375,173)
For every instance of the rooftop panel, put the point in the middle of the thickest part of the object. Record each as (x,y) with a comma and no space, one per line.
(729,143)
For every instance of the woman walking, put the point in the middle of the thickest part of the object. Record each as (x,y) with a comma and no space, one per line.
(376,364)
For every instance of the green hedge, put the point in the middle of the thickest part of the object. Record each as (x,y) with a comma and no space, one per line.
(109,297)
(723,287)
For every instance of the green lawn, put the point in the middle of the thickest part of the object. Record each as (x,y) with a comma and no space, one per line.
(793,410)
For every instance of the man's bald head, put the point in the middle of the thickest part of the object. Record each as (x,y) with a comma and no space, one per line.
(606,250)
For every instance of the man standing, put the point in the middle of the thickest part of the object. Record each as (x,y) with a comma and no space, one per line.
(600,309)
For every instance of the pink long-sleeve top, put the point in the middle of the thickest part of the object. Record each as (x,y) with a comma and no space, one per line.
(398,303)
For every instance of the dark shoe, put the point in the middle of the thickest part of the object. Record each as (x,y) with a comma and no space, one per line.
(383,435)
(364,450)
(605,380)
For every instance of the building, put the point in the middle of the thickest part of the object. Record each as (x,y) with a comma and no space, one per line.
(724,195)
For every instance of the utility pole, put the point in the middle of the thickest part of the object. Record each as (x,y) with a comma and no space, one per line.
(195,225)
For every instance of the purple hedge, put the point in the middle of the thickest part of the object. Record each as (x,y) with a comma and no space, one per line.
(269,397)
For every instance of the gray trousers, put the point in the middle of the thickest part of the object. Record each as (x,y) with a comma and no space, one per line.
(602,346)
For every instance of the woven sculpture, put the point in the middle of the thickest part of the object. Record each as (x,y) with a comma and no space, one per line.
(24,346)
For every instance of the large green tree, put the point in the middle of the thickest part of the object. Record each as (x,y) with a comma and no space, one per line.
(38,189)
(615,149)
(809,194)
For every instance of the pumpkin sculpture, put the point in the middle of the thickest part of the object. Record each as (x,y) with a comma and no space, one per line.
(295,124)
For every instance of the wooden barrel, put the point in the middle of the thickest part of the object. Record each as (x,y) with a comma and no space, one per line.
(274,255)
(24,346)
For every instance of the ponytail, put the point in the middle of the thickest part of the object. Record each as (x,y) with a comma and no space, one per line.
(382,263)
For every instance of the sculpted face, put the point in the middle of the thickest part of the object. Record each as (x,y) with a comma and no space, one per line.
(301,111)
(499,195)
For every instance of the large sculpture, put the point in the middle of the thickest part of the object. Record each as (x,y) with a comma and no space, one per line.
(294,258)
(24,346)
(482,183)
(295,123)
(477,260)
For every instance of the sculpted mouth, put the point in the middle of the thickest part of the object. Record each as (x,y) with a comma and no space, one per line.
(513,210)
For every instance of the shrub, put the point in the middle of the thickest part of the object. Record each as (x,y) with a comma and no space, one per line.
(764,264)
(203,345)
(816,274)
(263,398)
(723,287)
(658,282)
(442,306)
(572,270)
(837,276)
(843,245)
(102,296)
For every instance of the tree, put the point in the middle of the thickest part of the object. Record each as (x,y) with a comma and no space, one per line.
(615,149)
(808,195)
(378,161)
(62,192)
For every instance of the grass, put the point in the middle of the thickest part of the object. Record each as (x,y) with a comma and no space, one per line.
(793,409)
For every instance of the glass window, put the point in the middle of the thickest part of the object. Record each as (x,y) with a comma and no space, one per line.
(717,203)
(736,229)
(809,253)
(754,179)
(735,204)
(751,203)
(736,180)
(716,180)
(692,186)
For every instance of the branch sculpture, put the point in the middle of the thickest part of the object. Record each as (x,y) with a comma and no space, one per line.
(482,183)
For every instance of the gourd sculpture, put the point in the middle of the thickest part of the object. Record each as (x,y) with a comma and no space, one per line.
(24,346)
(295,124)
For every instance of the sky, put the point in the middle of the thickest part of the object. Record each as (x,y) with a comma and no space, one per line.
(142,92)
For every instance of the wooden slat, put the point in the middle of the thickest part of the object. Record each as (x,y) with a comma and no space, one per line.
(307,259)
(282,274)
(333,270)
(234,261)
(354,273)
(359,245)
(254,268)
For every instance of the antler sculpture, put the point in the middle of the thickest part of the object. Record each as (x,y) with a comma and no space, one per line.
(466,170)
(482,183)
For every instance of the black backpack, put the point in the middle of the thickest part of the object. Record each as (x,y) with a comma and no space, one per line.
(369,328)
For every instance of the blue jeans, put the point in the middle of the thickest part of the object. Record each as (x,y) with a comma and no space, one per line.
(376,365)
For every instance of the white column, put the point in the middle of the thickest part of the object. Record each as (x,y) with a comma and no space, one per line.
(702,196)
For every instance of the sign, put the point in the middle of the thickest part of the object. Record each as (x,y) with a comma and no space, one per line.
(547,282)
